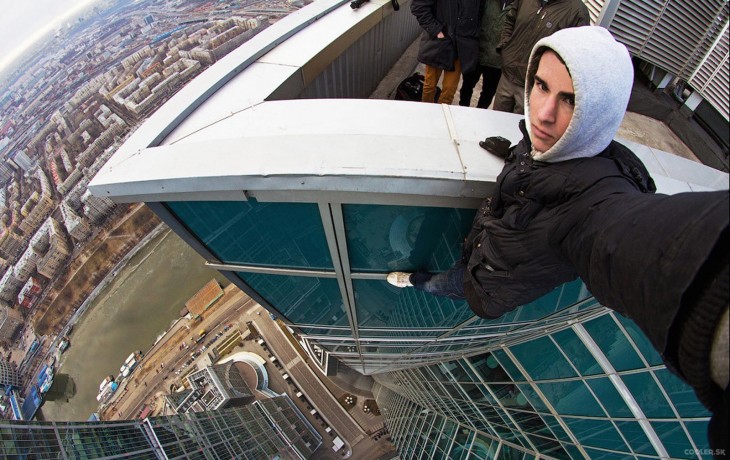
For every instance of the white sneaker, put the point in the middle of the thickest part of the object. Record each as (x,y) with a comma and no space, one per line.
(399,279)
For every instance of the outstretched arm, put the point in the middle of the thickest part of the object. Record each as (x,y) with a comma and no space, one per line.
(663,262)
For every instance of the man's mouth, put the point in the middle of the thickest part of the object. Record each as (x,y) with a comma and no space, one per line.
(540,134)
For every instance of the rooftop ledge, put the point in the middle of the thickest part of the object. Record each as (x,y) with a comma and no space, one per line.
(238,130)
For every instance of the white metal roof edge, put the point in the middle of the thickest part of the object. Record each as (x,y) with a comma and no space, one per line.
(442,158)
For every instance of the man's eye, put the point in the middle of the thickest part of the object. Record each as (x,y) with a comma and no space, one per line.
(569,100)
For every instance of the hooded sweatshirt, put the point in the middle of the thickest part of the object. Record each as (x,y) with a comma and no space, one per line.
(602,86)
(515,252)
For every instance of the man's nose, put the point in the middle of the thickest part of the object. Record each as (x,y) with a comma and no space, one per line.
(548,110)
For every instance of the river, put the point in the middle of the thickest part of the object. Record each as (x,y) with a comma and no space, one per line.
(141,302)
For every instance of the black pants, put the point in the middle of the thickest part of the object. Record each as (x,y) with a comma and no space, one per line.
(490,79)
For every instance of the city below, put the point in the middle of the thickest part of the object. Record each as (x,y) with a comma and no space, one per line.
(200,205)
(65,110)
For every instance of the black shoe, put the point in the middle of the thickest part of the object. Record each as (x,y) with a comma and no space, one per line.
(497,146)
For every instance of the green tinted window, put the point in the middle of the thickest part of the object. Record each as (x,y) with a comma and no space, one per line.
(405,238)
(542,360)
(302,300)
(282,235)
(381,305)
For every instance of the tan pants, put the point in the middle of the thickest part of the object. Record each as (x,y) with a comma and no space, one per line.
(450,83)
(509,97)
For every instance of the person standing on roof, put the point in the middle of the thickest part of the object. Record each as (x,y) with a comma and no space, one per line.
(449,44)
(526,22)
(490,62)
(570,201)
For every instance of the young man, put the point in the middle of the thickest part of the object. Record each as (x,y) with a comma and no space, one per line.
(449,45)
(572,202)
(508,257)
(490,63)
(526,22)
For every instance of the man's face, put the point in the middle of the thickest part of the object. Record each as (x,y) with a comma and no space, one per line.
(551,102)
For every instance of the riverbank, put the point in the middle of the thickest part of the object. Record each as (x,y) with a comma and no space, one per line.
(109,278)
(120,237)
(94,263)
(138,303)
(152,379)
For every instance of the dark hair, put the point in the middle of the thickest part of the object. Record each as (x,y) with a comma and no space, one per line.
(536,60)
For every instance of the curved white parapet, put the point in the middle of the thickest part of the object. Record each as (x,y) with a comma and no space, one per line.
(333,145)
(345,145)
(236,130)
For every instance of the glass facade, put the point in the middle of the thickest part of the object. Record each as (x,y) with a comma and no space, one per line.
(284,235)
(562,377)
(551,395)
(253,431)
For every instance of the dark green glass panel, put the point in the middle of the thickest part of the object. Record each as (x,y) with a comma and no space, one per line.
(636,437)
(404,238)
(340,332)
(301,299)
(596,433)
(648,395)
(606,392)
(698,432)
(542,360)
(642,342)
(577,352)
(556,428)
(558,299)
(380,305)
(469,373)
(456,372)
(462,441)
(595,454)
(488,368)
(682,395)
(483,448)
(674,439)
(375,333)
(445,438)
(573,451)
(571,398)
(532,398)
(612,342)
(282,235)
(510,453)
(548,447)
(509,366)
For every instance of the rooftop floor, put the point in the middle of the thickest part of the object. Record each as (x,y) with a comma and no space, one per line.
(635,126)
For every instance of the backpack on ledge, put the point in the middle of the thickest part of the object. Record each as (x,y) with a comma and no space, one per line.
(411,89)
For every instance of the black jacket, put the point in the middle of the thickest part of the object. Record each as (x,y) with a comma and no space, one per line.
(661,260)
(526,22)
(459,21)
(514,252)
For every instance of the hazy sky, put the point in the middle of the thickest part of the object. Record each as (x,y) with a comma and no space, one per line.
(23,22)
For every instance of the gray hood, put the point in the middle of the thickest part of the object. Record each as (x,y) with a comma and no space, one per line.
(602,79)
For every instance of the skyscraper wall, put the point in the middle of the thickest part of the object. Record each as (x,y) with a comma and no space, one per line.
(307,204)
(254,431)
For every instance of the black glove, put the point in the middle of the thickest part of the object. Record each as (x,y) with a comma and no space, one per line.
(497,146)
